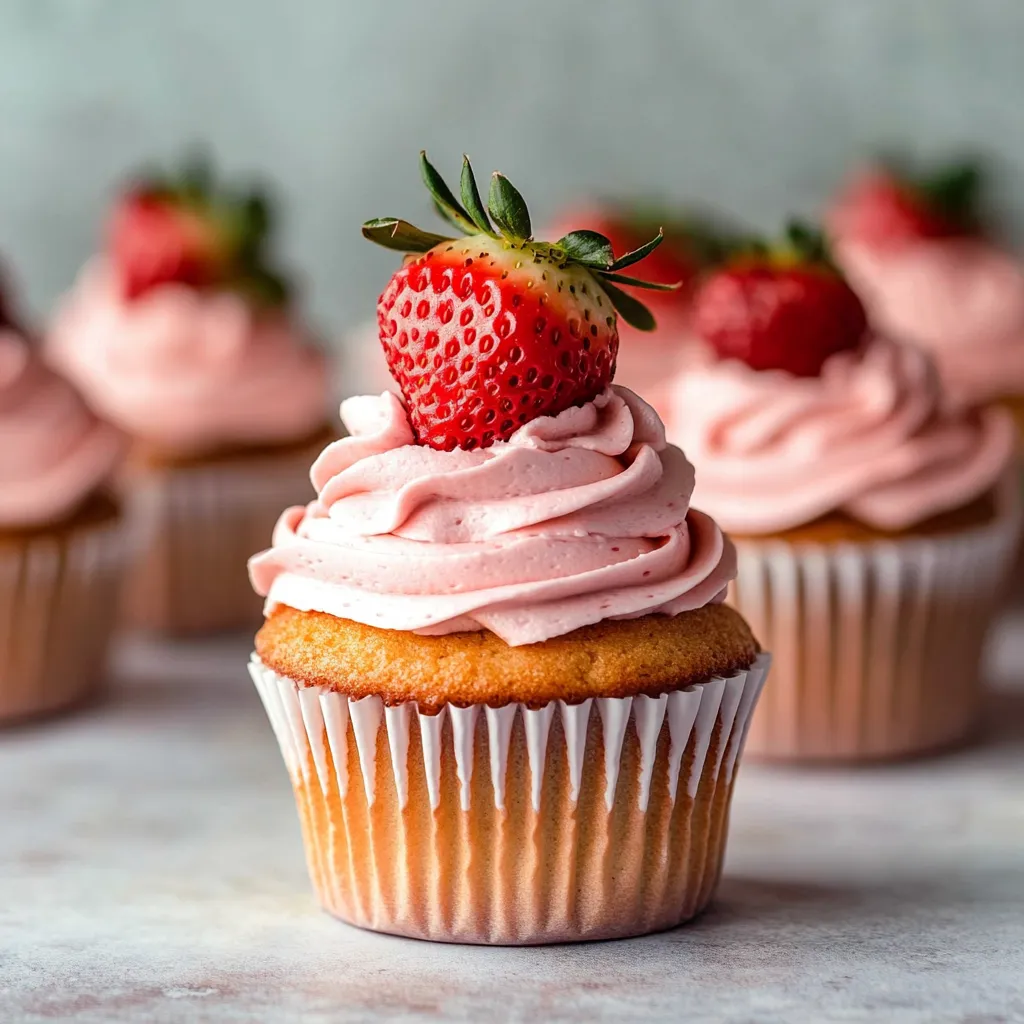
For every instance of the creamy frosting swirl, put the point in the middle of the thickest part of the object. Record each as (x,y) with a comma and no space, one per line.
(185,369)
(576,518)
(961,298)
(870,437)
(55,452)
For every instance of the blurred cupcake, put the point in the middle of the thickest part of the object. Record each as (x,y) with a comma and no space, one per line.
(917,254)
(509,698)
(179,334)
(649,359)
(874,526)
(62,545)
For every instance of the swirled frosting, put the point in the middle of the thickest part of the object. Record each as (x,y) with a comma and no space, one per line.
(576,518)
(55,452)
(961,298)
(185,369)
(871,437)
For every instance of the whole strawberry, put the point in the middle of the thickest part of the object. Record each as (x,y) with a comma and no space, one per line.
(885,207)
(780,308)
(185,231)
(492,329)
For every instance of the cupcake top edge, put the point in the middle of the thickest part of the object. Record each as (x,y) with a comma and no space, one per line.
(56,452)
(613,659)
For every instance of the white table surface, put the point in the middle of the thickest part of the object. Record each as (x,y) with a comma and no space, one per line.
(151,870)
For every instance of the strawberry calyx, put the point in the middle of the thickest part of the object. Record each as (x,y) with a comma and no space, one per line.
(186,229)
(801,244)
(507,217)
(949,194)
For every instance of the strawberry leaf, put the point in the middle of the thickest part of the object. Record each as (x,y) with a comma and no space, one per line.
(447,204)
(634,312)
(635,282)
(627,259)
(471,198)
(393,233)
(588,247)
(508,209)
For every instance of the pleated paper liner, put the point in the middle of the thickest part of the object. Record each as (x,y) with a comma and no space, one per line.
(58,603)
(877,646)
(198,525)
(514,825)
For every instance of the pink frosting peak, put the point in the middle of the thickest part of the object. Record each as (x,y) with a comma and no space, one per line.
(961,298)
(870,437)
(185,369)
(54,452)
(576,518)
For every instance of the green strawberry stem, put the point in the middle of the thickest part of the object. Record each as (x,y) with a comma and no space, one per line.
(506,216)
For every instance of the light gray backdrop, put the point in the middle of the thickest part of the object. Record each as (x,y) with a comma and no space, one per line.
(755,105)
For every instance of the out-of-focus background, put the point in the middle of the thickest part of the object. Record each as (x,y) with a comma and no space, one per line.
(757,107)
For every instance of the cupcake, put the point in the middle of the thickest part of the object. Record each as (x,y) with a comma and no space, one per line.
(61,540)
(874,524)
(179,334)
(693,242)
(496,658)
(917,254)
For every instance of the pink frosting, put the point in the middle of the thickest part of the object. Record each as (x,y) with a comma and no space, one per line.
(576,518)
(185,369)
(55,452)
(870,437)
(961,298)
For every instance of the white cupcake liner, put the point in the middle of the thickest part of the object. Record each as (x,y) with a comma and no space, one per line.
(197,527)
(58,603)
(876,645)
(514,824)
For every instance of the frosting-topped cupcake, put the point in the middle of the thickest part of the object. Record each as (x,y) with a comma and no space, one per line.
(186,370)
(56,452)
(873,520)
(182,334)
(507,547)
(869,440)
(916,254)
(61,538)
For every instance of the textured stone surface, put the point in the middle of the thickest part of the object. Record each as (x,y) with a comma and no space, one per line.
(151,871)
(755,106)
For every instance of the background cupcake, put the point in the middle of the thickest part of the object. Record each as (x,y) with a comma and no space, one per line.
(918,254)
(509,698)
(874,526)
(180,334)
(61,542)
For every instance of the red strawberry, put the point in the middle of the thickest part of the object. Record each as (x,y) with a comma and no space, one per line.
(156,241)
(488,331)
(781,309)
(183,232)
(883,208)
